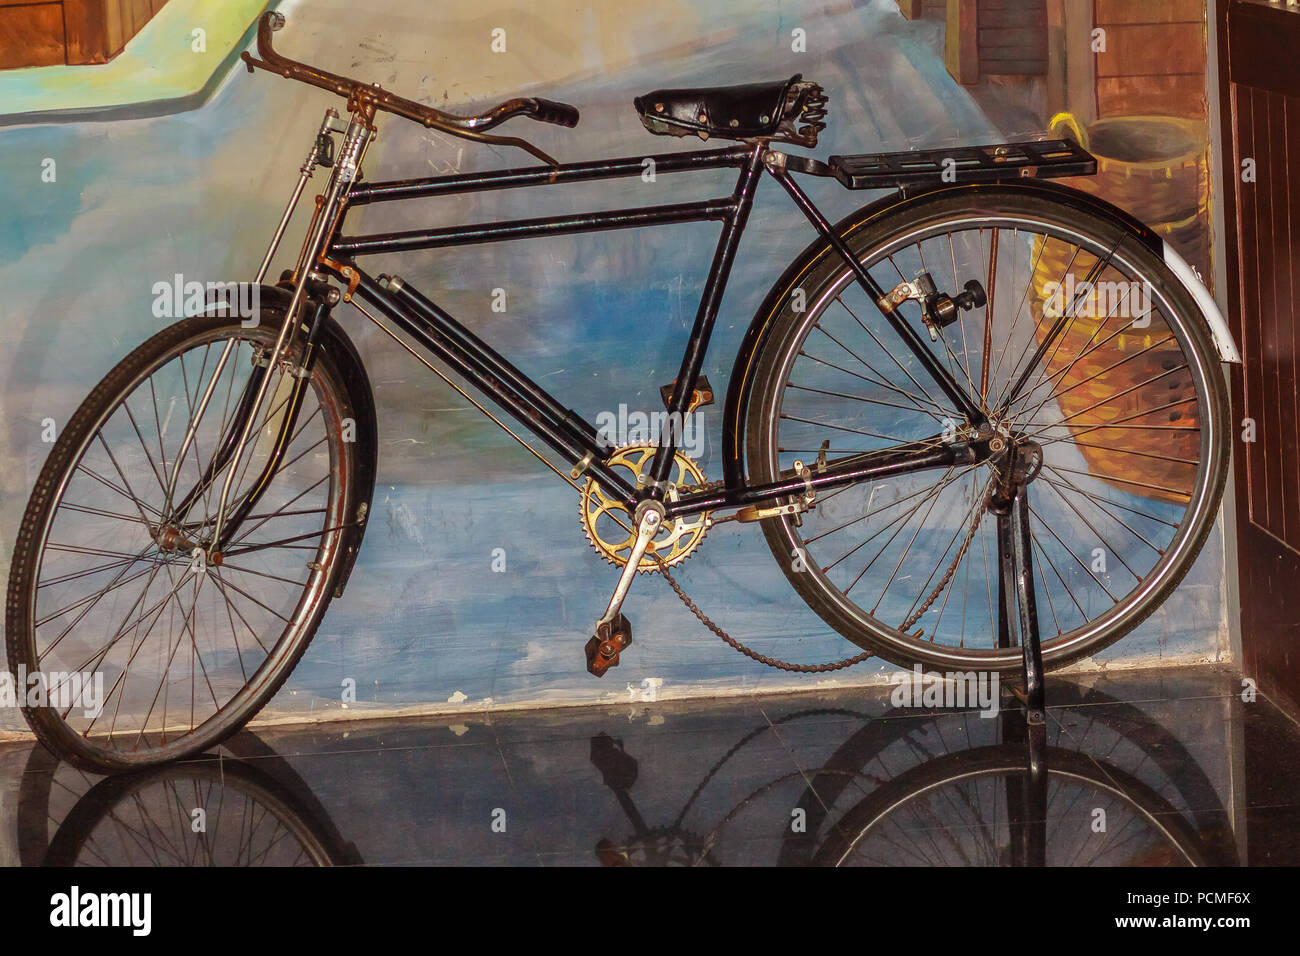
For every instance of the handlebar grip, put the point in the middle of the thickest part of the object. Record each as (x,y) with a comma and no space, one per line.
(549,111)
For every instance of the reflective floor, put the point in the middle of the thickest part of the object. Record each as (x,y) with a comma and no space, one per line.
(1153,768)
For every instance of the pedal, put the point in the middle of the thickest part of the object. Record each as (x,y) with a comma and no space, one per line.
(703,394)
(610,640)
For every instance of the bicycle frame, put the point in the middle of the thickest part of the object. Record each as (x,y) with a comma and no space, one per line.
(560,428)
(327,253)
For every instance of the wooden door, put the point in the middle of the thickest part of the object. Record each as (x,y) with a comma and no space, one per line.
(1260,98)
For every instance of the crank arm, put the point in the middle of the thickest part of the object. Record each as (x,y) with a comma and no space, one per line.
(613,632)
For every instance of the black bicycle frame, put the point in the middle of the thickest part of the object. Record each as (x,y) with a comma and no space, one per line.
(562,429)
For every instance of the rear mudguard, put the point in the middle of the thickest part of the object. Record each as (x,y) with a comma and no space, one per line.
(741,384)
(338,346)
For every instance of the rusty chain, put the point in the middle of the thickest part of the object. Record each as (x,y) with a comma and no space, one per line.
(848,661)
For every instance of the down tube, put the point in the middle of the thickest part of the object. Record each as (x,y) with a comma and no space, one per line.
(565,441)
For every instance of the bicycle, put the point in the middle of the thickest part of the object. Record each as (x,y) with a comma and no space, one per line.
(191,564)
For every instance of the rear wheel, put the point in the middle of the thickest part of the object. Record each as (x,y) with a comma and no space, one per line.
(148,650)
(1087,348)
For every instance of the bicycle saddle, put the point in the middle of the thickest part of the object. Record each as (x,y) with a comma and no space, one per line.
(753,110)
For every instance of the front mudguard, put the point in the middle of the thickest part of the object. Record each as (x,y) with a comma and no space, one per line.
(740,387)
(361,400)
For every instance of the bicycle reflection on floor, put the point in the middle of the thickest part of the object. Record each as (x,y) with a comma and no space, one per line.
(253,810)
(971,793)
(1104,785)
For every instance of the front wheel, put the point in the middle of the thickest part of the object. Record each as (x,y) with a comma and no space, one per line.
(1087,350)
(147,651)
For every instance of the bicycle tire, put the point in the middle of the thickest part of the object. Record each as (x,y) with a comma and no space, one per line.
(92,751)
(870,235)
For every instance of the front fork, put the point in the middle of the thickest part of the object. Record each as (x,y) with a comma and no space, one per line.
(308,289)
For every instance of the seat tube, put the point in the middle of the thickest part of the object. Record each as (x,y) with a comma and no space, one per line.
(705,317)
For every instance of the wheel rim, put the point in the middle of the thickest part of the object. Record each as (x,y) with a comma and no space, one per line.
(1145,528)
(191,815)
(962,819)
(184,650)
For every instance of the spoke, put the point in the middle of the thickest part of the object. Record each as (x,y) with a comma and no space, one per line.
(1020,308)
(238,590)
(877,510)
(108,484)
(875,534)
(263,574)
(1040,550)
(232,606)
(854,398)
(1119,451)
(1097,503)
(1077,560)
(101,513)
(1098,498)
(845,428)
(961,528)
(1120,394)
(110,586)
(1102,538)
(148,456)
(866,328)
(97,552)
(903,556)
(162,452)
(879,380)
(1082,382)
(916,399)
(162,685)
(1084,427)
(1056,335)
(1090,346)
(1115,479)
(961,321)
(74,575)
(291,501)
(93,598)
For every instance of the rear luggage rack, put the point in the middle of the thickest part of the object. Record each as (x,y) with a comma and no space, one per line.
(1041,159)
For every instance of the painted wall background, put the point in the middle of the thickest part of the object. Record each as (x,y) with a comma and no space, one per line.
(599,320)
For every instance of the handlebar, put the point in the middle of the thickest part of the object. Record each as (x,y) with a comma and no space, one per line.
(363,95)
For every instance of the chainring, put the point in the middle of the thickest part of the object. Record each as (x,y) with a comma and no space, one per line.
(609,526)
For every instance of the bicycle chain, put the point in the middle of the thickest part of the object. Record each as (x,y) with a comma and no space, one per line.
(952,568)
(750,652)
(832,665)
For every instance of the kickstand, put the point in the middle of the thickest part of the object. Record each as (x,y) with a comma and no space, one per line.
(1016,572)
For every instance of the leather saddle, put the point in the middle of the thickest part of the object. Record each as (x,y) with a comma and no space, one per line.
(751,111)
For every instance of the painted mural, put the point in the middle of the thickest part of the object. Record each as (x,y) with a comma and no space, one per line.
(173,163)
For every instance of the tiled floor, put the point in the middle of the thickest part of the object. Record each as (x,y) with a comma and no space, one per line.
(1143,768)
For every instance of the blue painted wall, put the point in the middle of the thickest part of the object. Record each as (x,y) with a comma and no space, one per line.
(599,320)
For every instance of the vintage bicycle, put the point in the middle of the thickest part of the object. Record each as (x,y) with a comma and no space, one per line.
(947,406)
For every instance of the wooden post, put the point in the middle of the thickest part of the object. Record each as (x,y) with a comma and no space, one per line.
(961,45)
